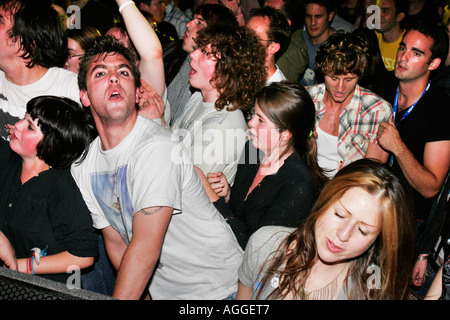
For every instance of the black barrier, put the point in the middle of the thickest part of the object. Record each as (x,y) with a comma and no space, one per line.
(19,286)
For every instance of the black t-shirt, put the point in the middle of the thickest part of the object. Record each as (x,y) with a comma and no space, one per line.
(47,211)
(284,198)
(429,121)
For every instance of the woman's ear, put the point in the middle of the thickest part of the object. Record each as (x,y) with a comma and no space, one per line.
(286,135)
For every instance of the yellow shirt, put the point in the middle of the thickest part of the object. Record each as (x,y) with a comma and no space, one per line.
(388,50)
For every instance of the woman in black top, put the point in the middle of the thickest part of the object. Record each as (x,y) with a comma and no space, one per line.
(41,206)
(278,178)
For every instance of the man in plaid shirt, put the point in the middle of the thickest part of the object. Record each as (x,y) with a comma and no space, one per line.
(347,115)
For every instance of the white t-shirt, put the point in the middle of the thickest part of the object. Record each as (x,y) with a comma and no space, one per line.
(214,139)
(327,152)
(200,255)
(260,247)
(14,98)
(276,77)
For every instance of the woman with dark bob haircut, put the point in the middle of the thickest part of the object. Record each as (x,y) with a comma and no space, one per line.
(42,212)
(67,130)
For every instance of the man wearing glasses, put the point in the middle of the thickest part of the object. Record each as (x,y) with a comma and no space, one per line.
(273,30)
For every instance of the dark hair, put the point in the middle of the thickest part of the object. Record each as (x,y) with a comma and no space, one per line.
(439,48)
(240,69)
(119,26)
(401,6)
(84,36)
(67,127)
(101,47)
(342,53)
(39,30)
(173,53)
(279,30)
(217,14)
(289,106)
(328,4)
(295,12)
(375,64)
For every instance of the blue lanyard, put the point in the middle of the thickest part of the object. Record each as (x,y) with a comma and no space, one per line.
(395,107)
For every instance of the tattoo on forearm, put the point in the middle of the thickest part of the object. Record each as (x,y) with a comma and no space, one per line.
(150,211)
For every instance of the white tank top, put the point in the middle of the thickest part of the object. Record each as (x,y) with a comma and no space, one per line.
(327,152)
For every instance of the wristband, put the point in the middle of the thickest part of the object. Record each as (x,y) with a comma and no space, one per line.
(29,266)
(422,258)
(38,253)
(123,5)
(31,263)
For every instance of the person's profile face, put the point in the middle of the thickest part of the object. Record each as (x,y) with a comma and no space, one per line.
(75,54)
(193,27)
(8,47)
(203,67)
(25,136)
(264,134)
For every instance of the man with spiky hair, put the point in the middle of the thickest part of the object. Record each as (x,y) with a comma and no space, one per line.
(161,231)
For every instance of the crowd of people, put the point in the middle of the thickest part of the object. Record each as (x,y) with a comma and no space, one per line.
(228,149)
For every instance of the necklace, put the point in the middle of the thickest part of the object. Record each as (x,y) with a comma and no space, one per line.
(328,292)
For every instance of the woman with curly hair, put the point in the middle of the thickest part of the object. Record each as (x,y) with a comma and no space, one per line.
(358,243)
(227,69)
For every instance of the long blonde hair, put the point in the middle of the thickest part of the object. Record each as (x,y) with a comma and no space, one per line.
(392,251)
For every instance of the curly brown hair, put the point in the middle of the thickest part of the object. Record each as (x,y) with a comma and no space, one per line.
(342,53)
(240,70)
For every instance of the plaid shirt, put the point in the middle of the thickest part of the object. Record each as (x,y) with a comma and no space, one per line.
(177,18)
(358,123)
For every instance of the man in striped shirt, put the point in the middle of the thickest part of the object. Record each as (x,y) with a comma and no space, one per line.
(347,115)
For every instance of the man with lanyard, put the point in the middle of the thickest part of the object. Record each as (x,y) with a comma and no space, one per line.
(417,135)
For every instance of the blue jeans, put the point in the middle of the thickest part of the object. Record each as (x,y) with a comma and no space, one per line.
(231,296)
(100,277)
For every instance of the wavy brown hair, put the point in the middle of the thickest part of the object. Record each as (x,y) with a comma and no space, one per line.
(342,53)
(240,69)
(392,251)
